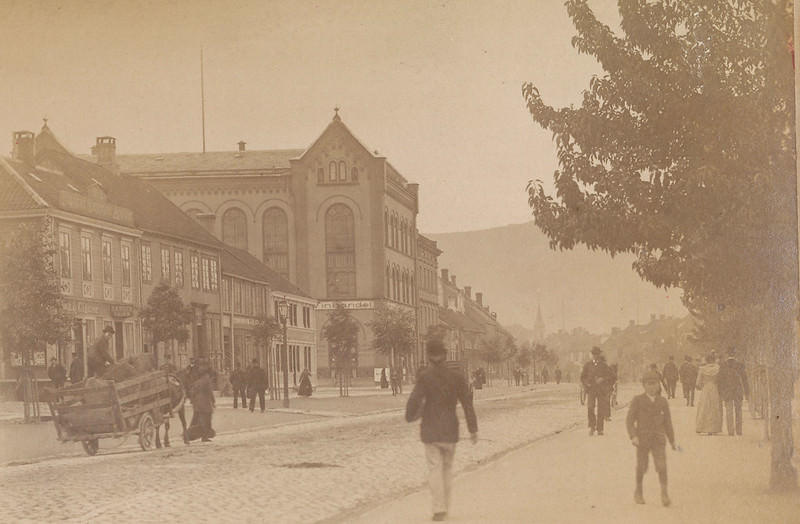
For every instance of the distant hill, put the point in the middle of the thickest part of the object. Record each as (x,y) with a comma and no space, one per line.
(517,272)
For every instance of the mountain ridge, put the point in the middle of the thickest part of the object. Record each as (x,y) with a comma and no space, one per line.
(517,272)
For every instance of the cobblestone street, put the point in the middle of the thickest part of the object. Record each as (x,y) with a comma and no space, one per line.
(323,470)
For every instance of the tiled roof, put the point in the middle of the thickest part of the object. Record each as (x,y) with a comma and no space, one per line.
(241,263)
(458,320)
(14,196)
(170,163)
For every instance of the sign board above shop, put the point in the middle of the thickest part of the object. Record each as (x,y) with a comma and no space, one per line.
(348,304)
(121,310)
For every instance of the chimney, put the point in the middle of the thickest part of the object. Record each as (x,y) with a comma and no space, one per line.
(24,146)
(479,299)
(445,275)
(105,151)
(468,292)
(242,143)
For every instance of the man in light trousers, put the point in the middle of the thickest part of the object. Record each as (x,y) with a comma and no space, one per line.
(437,391)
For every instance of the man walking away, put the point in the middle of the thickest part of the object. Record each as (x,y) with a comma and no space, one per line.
(434,398)
(670,373)
(596,378)
(76,368)
(256,384)
(733,386)
(238,381)
(688,375)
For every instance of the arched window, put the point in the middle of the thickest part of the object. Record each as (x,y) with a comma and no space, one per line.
(354,174)
(388,281)
(276,240)
(395,284)
(342,171)
(386,226)
(340,252)
(404,283)
(234,228)
(332,172)
(394,230)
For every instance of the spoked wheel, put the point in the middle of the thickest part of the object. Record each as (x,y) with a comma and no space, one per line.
(147,432)
(90,446)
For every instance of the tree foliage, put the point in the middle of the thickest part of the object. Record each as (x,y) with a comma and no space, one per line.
(32,303)
(265,330)
(394,332)
(682,153)
(165,315)
(341,332)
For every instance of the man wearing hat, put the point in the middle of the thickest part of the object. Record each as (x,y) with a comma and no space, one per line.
(649,427)
(437,391)
(57,373)
(733,386)
(76,368)
(597,379)
(99,354)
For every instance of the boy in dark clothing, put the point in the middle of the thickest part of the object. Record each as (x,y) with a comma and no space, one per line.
(649,427)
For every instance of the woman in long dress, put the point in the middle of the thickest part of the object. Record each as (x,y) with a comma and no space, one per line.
(709,405)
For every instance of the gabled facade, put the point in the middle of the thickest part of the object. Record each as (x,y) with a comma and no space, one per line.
(335,219)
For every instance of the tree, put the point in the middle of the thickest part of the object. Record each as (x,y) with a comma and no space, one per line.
(682,153)
(495,348)
(264,332)
(341,332)
(165,316)
(32,313)
(393,329)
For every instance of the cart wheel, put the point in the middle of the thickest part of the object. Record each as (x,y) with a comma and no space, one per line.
(90,446)
(147,432)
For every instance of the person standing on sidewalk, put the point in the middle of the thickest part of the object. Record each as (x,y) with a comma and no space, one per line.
(76,368)
(732,383)
(57,373)
(256,384)
(596,378)
(202,406)
(434,398)
(670,374)
(649,427)
(688,374)
(238,381)
(709,405)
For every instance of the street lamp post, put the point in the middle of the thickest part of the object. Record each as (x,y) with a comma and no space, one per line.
(283,311)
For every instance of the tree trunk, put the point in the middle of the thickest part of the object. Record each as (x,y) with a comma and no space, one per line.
(783,475)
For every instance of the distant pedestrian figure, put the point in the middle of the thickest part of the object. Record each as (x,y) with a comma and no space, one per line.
(256,385)
(649,427)
(76,368)
(732,388)
(57,373)
(544,376)
(100,354)
(688,375)
(709,405)
(394,380)
(384,381)
(597,378)
(238,380)
(304,387)
(558,375)
(434,398)
(670,373)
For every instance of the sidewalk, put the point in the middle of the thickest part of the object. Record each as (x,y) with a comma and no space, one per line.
(571,477)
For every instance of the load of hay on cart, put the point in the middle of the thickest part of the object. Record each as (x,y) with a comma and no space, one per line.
(100,408)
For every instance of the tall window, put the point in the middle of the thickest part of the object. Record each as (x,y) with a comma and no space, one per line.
(147,263)
(108,276)
(332,172)
(125,255)
(178,268)
(234,228)
(340,247)
(342,171)
(214,276)
(276,240)
(65,252)
(165,264)
(86,256)
(195,263)
(205,273)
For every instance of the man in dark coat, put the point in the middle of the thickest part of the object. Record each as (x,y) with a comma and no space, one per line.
(670,374)
(256,384)
(100,354)
(733,386)
(434,398)
(238,381)
(57,373)
(688,375)
(203,404)
(598,379)
(76,368)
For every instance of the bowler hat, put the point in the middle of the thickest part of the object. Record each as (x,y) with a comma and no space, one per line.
(108,329)
(596,350)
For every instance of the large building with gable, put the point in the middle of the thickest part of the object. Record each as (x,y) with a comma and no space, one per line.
(336,219)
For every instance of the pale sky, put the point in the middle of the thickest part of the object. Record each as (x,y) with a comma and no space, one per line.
(433,86)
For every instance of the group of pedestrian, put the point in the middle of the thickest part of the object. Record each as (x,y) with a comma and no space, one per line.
(721,385)
(249,384)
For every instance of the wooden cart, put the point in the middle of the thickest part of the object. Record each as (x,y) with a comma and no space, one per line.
(99,409)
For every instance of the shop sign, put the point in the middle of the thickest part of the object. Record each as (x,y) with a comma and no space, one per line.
(347,304)
(121,311)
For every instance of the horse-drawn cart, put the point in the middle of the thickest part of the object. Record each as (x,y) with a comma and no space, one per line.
(99,408)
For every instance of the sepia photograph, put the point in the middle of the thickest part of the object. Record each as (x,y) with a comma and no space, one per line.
(399,261)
